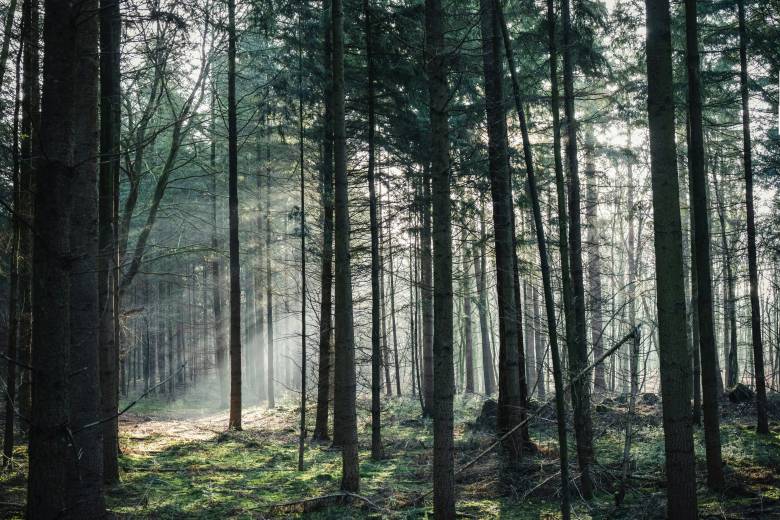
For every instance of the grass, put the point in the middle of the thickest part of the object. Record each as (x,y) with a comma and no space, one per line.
(178,462)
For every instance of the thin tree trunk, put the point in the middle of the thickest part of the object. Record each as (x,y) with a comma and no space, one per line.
(560,406)
(578,347)
(484,332)
(302,436)
(594,262)
(345,412)
(269,305)
(715,479)
(670,285)
(762,425)
(326,278)
(110,128)
(376,346)
(426,289)
(7,26)
(467,334)
(396,362)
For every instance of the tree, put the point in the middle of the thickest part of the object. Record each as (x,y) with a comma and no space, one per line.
(110,128)
(701,223)
(510,404)
(234,421)
(443,373)
(762,425)
(326,277)
(344,411)
(578,347)
(670,288)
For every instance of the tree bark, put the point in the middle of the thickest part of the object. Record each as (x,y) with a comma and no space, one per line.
(670,288)
(510,402)
(345,413)
(594,263)
(326,277)
(376,346)
(578,345)
(762,425)
(443,375)
(715,479)
(426,291)
(488,377)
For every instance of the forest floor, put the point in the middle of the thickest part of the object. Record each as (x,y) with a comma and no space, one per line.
(179,462)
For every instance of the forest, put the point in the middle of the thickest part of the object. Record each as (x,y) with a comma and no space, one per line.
(330,259)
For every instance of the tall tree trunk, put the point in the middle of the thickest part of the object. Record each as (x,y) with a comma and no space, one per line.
(443,376)
(49,454)
(216,276)
(530,359)
(467,334)
(488,377)
(533,194)
(234,422)
(698,181)
(762,425)
(670,285)
(594,263)
(269,303)
(7,30)
(538,368)
(302,436)
(29,151)
(259,297)
(345,412)
(326,277)
(396,361)
(382,298)
(376,346)
(510,402)
(13,294)
(110,128)
(729,303)
(85,473)
(426,290)
(578,345)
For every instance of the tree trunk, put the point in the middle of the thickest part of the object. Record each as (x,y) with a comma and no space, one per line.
(392,311)
(29,142)
(49,454)
(538,368)
(269,304)
(510,403)
(715,479)
(345,412)
(560,407)
(578,345)
(443,376)
(762,425)
(426,290)
(467,334)
(594,263)
(110,128)
(670,288)
(530,359)
(376,346)
(234,422)
(479,276)
(302,436)
(326,278)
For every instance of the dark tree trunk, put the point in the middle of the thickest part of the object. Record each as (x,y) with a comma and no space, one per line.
(216,277)
(578,345)
(302,436)
(715,479)
(533,194)
(670,285)
(269,294)
(110,128)
(392,311)
(376,348)
(488,377)
(762,425)
(29,142)
(234,421)
(467,334)
(426,291)
(510,402)
(49,454)
(443,375)
(85,473)
(326,278)
(594,263)
(344,405)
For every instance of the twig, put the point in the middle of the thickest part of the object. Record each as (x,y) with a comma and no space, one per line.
(126,408)
(17,363)
(327,498)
